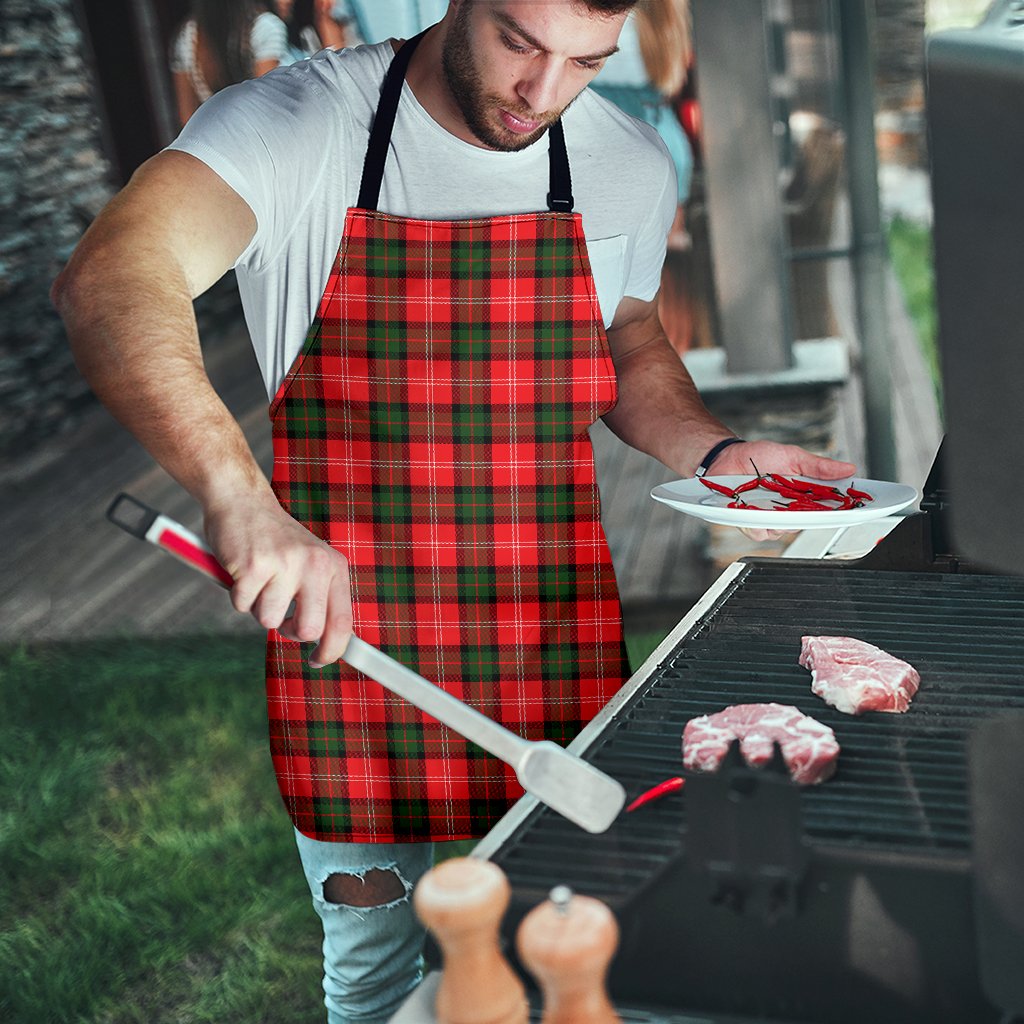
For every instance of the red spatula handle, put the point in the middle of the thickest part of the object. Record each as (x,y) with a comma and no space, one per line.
(147,524)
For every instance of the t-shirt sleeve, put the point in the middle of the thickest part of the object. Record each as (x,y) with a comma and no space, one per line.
(269,140)
(652,234)
(269,38)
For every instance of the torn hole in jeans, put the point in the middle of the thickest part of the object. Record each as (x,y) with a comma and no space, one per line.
(372,889)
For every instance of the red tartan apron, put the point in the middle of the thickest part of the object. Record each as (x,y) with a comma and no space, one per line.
(434,430)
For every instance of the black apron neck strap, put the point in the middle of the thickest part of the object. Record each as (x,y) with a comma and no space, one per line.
(560,194)
(559,197)
(383,122)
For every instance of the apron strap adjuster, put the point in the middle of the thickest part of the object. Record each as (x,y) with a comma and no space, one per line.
(559,204)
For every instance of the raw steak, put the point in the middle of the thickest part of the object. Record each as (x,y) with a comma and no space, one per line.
(809,748)
(855,677)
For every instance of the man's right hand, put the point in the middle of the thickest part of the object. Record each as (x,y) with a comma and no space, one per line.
(274,561)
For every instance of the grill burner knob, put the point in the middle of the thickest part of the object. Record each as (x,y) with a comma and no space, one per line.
(462,901)
(567,943)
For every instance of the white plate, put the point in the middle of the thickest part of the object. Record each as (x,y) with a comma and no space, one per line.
(693,498)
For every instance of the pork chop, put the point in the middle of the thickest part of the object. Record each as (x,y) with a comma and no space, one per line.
(809,748)
(854,676)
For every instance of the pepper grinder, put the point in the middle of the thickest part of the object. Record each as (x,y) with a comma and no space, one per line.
(567,943)
(462,901)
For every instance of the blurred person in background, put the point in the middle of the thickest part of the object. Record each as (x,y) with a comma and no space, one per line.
(373,21)
(647,74)
(314,25)
(645,78)
(221,43)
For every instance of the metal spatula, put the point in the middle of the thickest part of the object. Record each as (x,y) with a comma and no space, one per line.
(568,785)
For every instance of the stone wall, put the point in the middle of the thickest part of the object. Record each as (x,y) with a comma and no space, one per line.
(53,180)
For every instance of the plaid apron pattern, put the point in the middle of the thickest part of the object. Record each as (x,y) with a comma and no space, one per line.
(434,430)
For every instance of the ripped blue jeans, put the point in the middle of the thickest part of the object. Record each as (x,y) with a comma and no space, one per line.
(372,953)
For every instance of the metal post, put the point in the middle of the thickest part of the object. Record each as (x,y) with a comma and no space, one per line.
(868,241)
(154,62)
(745,217)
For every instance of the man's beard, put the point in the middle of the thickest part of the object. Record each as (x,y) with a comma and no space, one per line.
(464,83)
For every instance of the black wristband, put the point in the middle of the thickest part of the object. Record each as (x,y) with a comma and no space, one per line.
(705,463)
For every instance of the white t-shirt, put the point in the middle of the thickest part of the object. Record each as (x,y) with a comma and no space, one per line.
(292,144)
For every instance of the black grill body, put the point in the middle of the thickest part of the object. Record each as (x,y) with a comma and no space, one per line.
(747,897)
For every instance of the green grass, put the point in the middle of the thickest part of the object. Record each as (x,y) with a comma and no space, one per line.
(910,248)
(147,867)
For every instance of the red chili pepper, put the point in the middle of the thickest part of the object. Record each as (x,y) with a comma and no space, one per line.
(803,495)
(807,505)
(789,492)
(721,488)
(809,487)
(656,792)
(793,485)
(817,490)
(770,484)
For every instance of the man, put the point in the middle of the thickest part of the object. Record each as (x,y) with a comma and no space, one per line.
(433,485)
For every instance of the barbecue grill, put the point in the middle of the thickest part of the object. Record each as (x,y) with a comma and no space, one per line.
(894,892)
(746,897)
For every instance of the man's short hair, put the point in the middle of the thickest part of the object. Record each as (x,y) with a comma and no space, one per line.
(609,7)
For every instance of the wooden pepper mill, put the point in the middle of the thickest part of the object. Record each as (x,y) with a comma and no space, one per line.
(462,902)
(567,943)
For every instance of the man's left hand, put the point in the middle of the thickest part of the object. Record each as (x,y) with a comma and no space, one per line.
(772,457)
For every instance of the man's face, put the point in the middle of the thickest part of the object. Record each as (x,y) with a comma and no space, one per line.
(513,66)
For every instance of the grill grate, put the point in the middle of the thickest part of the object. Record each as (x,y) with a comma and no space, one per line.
(901,786)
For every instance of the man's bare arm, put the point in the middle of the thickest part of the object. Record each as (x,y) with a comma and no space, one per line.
(126,299)
(660,411)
